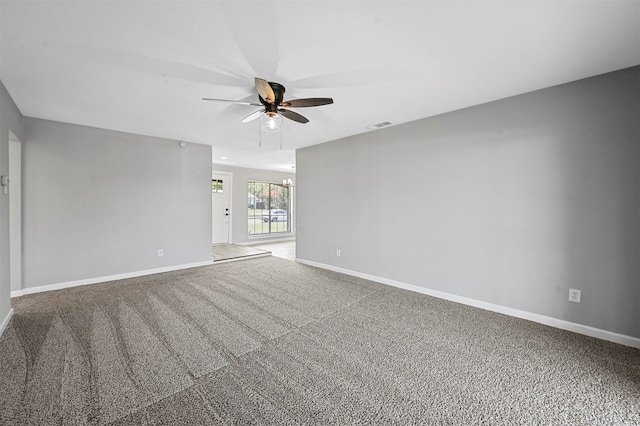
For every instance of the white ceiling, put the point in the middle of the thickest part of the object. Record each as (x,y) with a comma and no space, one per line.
(143,66)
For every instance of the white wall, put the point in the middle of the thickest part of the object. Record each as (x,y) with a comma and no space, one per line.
(99,203)
(240,199)
(510,203)
(10,121)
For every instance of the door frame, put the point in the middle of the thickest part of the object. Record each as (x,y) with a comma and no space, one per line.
(229,177)
(15,213)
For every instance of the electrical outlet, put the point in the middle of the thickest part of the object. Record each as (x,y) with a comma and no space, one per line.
(574,295)
(338,252)
(160,252)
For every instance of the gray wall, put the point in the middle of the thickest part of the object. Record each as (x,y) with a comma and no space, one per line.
(240,200)
(511,202)
(10,120)
(99,203)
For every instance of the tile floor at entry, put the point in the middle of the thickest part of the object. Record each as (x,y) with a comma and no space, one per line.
(232,252)
(228,252)
(283,249)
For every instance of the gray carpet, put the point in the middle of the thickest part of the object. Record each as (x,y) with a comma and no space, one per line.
(269,341)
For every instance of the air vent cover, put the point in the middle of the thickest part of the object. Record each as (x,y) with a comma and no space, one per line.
(379,125)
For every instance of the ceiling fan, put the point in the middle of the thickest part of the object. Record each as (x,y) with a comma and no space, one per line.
(271,97)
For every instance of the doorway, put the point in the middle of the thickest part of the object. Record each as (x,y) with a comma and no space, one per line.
(15,213)
(221,207)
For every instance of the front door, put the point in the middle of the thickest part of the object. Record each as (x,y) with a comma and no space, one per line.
(220,198)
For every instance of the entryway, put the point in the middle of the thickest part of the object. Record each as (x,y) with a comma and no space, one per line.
(221,207)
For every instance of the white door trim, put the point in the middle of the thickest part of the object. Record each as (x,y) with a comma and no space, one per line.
(15,212)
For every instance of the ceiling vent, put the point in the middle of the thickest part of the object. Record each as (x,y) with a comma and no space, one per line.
(379,125)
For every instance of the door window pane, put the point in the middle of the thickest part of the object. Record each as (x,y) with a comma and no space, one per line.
(216,185)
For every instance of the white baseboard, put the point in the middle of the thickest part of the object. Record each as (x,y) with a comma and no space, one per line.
(97,280)
(5,322)
(542,319)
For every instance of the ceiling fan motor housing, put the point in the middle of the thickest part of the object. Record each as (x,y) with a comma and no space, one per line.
(278,91)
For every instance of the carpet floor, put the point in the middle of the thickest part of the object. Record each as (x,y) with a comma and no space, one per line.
(268,341)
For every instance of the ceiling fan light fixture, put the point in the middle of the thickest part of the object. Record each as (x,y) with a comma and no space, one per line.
(270,122)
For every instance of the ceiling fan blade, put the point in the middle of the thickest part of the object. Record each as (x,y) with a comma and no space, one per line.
(230,101)
(265,91)
(293,116)
(307,102)
(254,115)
